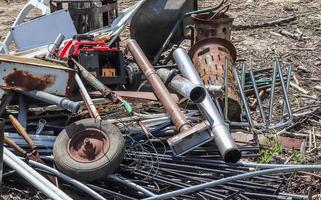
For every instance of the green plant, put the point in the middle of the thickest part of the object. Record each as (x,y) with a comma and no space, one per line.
(297,157)
(269,153)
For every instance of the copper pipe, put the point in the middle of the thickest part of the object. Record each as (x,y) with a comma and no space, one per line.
(159,88)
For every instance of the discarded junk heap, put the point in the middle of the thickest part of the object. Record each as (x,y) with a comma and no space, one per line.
(155,122)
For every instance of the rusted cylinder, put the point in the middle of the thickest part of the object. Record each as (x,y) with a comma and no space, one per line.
(183,86)
(159,88)
(218,27)
(208,57)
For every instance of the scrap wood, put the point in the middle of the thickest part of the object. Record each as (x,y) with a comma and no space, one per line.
(265,24)
(299,88)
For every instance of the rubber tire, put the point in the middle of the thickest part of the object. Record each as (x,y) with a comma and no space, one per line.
(94,170)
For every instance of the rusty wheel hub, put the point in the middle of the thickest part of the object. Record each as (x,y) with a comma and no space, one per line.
(88,145)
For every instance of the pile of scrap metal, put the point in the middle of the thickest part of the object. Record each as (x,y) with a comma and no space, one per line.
(156,124)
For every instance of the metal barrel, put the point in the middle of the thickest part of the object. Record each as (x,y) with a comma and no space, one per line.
(160,90)
(183,86)
(212,59)
(222,136)
(62,102)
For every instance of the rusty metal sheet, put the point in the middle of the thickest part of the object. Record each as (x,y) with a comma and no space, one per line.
(26,74)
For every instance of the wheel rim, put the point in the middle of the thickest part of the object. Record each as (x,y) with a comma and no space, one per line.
(88,145)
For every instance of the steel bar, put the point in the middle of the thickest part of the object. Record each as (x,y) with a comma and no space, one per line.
(274,74)
(288,80)
(123,180)
(221,134)
(62,102)
(234,178)
(243,97)
(33,177)
(87,98)
(68,179)
(285,91)
(257,94)
(182,86)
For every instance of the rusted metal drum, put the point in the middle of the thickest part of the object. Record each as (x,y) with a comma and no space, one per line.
(209,56)
(218,27)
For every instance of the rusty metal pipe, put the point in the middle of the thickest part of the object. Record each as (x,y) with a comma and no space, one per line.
(62,102)
(222,136)
(183,86)
(159,88)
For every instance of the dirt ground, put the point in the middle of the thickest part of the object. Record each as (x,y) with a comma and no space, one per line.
(297,42)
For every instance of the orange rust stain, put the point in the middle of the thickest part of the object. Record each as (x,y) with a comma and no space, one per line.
(27,81)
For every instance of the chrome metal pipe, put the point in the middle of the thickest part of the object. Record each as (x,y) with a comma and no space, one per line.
(221,134)
(62,102)
(33,177)
(183,86)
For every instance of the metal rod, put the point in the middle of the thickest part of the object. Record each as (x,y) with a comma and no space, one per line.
(123,180)
(288,80)
(257,94)
(68,179)
(274,74)
(226,90)
(234,178)
(33,177)
(87,98)
(183,86)
(221,134)
(103,89)
(243,97)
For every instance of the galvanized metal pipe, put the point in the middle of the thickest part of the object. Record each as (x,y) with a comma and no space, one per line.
(178,118)
(221,134)
(62,102)
(87,98)
(33,177)
(183,86)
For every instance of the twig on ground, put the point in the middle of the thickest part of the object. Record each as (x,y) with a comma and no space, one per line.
(265,24)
